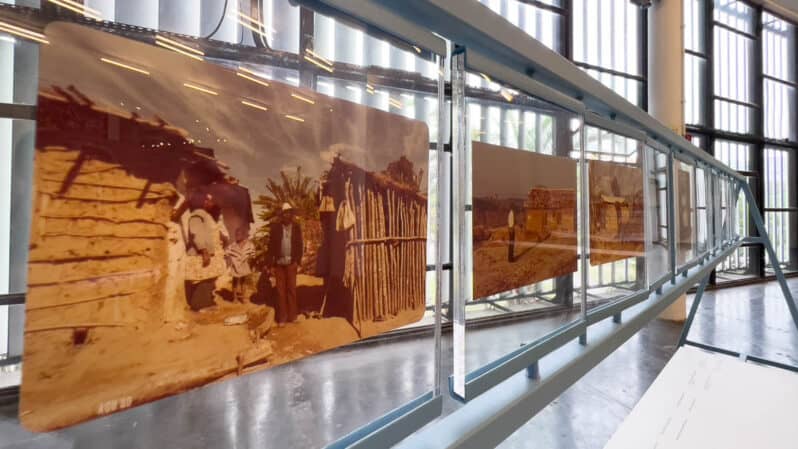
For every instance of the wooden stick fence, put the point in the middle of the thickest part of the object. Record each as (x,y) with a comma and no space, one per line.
(386,249)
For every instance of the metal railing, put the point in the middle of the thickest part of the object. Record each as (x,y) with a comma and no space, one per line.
(496,401)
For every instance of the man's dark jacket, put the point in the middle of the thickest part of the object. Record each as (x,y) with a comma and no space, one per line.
(276,243)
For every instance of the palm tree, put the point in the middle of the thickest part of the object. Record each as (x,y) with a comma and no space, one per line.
(296,189)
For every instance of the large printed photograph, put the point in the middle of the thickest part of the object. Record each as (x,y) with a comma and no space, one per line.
(617,226)
(194,223)
(524,218)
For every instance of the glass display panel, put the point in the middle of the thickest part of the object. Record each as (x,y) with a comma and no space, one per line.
(205,223)
(657,248)
(723,186)
(524,221)
(709,183)
(719,215)
(744,262)
(702,210)
(616,215)
(521,217)
(736,220)
(507,130)
(685,198)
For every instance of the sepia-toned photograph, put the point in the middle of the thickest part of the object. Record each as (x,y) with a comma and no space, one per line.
(616,212)
(194,223)
(524,218)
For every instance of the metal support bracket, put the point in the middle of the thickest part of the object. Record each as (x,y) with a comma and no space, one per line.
(394,426)
(774,260)
(693,309)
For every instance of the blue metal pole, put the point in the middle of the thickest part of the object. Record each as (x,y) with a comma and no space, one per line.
(760,226)
(693,309)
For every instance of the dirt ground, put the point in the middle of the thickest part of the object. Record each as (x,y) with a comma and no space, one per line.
(120,367)
(606,247)
(533,262)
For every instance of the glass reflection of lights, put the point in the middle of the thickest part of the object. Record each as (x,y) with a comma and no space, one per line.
(295,118)
(319,64)
(200,89)
(251,76)
(301,98)
(254,105)
(177,47)
(249,23)
(124,66)
(318,56)
(23,33)
(78,8)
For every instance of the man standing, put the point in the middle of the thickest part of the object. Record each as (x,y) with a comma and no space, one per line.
(284,255)
(511,236)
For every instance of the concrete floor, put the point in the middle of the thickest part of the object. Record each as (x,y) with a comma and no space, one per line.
(313,401)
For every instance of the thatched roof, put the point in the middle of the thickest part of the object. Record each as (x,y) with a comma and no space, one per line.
(380,181)
(147,148)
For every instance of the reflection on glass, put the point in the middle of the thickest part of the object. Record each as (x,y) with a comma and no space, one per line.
(217,223)
(524,221)
(702,210)
(504,119)
(657,215)
(684,195)
(338,42)
(616,215)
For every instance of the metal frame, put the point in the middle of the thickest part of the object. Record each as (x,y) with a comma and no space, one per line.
(553,363)
(383,20)
(401,421)
(394,426)
(514,398)
(785,289)
(499,401)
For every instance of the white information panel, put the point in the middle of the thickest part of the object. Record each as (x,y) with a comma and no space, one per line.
(704,400)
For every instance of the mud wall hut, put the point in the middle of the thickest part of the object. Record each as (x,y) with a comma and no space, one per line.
(102,238)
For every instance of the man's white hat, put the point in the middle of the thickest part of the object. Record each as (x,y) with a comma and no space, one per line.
(287,206)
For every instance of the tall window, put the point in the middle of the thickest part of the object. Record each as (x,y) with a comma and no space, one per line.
(779,107)
(605,37)
(695,63)
(734,66)
(778,73)
(738,157)
(748,125)
(607,44)
(781,214)
(18,61)
(541,19)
